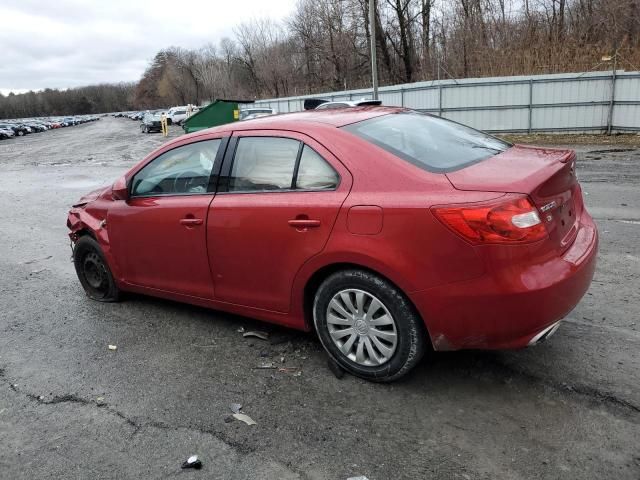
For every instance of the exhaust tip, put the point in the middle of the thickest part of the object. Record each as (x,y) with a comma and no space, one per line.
(544,334)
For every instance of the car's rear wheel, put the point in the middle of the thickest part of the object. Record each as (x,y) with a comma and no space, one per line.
(368,326)
(93,271)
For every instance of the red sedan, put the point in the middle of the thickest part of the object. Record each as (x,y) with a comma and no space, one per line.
(386,231)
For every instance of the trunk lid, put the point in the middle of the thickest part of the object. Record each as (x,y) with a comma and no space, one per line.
(547,175)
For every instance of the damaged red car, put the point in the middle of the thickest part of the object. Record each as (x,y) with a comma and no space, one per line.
(388,232)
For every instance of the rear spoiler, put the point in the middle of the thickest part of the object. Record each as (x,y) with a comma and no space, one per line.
(311,103)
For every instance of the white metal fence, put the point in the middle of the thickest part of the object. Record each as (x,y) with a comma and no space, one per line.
(573,102)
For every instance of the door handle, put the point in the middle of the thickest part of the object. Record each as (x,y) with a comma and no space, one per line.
(190,222)
(304,223)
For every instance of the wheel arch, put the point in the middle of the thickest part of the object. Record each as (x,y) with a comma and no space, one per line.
(315,280)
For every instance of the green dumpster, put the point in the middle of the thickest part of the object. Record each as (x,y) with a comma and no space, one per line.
(216,113)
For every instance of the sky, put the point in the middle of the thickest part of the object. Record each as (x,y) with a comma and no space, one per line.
(70,43)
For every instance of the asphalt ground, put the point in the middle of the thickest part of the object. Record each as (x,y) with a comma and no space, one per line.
(72,408)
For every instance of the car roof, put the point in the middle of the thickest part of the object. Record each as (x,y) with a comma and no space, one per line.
(298,121)
(335,118)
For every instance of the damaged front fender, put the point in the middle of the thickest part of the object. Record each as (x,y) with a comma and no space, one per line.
(91,219)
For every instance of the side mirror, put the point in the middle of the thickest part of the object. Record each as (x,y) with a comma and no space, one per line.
(119,189)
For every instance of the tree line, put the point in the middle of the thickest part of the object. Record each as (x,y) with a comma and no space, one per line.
(324,45)
(74,101)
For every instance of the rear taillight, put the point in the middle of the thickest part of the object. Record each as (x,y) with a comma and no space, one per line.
(512,219)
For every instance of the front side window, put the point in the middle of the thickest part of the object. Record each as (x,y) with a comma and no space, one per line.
(263,163)
(181,171)
(431,143)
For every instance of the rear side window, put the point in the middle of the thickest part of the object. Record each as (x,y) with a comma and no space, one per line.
(314,173)
(263,163)
(431,143)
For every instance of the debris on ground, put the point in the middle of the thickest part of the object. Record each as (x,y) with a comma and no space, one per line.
(240,330)
(260,335)
(113,348)
(244,418)
(235,407)
(35,272)
(337,370)
(361,477)
(192,462)
(266,366)
(295,370)
(34,260)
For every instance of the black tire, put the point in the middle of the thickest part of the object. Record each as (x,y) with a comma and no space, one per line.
(93,271)
(408,328)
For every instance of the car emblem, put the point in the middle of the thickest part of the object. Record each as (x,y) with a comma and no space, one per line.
(548,206)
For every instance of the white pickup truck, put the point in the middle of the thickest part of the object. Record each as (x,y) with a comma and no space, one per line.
(176,115)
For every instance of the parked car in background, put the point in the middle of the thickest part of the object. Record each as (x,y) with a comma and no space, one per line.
(151,122)
(347,104)
(176,114)
(6,132)
(24,126)
(256,112)
(18,130)
(388,231)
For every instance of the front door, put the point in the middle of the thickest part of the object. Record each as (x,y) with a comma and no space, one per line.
(280,198)
(160,231)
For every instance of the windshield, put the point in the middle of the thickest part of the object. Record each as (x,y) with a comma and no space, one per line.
(429,142)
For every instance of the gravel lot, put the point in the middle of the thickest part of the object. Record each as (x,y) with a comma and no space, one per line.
(71,408)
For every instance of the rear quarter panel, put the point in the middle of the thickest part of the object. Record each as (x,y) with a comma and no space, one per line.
(413,249)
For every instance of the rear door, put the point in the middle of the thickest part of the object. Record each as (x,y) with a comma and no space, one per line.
(279,196)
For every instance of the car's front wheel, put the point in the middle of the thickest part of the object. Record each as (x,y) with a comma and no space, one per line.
(368,326)
(93,271)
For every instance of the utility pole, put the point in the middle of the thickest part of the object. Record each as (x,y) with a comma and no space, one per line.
(372,41)
(613,90)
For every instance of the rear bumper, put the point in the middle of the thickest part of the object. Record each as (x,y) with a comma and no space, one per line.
(509,308)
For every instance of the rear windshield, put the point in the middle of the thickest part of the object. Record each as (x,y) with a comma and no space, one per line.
(429,142)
